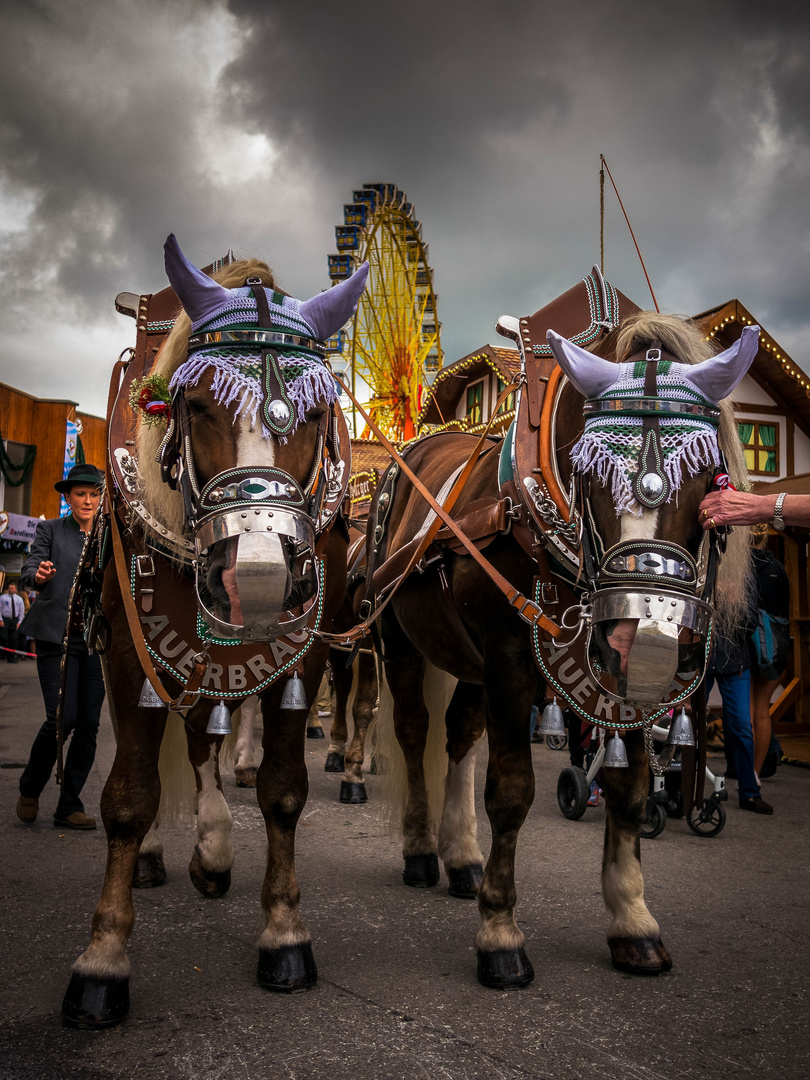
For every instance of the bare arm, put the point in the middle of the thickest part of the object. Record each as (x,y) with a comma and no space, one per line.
(729,507)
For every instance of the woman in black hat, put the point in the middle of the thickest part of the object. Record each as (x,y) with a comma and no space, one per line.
(50,568)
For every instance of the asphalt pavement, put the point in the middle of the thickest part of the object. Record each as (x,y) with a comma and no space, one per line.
(397,994)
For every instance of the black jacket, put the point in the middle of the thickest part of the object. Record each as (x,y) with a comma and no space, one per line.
(60,541)
(730,654)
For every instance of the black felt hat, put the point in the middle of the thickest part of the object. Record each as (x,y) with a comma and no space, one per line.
(80,474)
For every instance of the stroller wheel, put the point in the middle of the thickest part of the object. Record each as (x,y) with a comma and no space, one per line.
(654,820)
(708,820)
(557,742)
(572,793)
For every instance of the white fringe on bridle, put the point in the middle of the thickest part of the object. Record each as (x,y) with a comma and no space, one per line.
(610,450)
(309,382)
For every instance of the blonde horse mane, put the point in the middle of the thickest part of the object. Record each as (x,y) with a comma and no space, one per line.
(681,337)
(163,503)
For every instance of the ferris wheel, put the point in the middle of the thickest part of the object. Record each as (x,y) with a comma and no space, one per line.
(391,351)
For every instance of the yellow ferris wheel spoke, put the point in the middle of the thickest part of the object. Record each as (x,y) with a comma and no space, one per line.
(393,346)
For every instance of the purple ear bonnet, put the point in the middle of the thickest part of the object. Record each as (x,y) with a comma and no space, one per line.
(237,371)
(610,447)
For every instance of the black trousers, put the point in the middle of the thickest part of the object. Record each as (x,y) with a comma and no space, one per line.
(84,696)
(10,639)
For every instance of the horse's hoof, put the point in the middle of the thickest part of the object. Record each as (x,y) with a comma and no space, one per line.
(290,968)
(421,871)
(91,1002)
(245,776)
(505,969)
(150,871)
(335,762)
(465,881)
(352,792)
(210,883)
(315,733)
(639,955)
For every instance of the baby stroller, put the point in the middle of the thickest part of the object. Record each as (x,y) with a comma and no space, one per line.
(588,747)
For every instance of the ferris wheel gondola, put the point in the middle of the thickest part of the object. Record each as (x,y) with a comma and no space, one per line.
(391,351)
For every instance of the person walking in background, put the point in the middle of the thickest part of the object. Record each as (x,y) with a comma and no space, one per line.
(50,568)
(730,666)
(12,613)
(770,646)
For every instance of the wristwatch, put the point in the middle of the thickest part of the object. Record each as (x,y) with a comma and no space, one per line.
(777,521)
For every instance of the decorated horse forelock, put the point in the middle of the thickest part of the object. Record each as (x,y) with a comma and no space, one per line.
(266,349)
(650,421)
(243,374)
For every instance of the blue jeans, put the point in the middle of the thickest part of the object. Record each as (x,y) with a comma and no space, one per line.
(84,695)
(735,690)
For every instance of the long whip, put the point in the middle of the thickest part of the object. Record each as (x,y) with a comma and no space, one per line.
(629,226)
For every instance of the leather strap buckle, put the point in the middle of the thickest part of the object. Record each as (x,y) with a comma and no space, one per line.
(548,593)
(145,565)
(527,609)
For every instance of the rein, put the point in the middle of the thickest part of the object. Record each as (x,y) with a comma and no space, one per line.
(526,608)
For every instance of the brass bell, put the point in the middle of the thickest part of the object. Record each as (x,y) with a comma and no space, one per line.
(219,722)
(149,697)
(615,754)
(681,732)
(551,722)
(293,696)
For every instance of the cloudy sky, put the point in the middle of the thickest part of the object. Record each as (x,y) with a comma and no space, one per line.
(247,124)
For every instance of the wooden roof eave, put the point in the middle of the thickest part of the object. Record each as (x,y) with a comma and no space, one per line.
(767,371)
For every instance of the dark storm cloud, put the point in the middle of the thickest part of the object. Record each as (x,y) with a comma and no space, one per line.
(493,117)
(250,123)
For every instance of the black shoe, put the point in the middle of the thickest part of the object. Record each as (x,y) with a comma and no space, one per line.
(757,805)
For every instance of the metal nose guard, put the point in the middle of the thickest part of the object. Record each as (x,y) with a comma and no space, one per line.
(669,639)
(651,583)
(264,511)
(272,546)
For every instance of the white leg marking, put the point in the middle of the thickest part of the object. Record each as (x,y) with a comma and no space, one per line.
(151,842)
(104,959)
(623,891)
(245,739)
(214,820)
(458,832)
(499,932)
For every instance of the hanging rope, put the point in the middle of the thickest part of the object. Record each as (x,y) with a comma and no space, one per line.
(8,468)
(633,235)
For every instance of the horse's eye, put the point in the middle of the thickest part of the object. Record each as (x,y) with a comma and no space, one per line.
(314,414)
(196,406)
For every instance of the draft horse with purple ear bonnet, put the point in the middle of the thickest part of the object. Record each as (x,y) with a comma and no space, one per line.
(592,577)
(221,551)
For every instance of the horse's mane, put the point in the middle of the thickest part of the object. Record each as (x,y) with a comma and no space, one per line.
(163,503)
(681,337)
